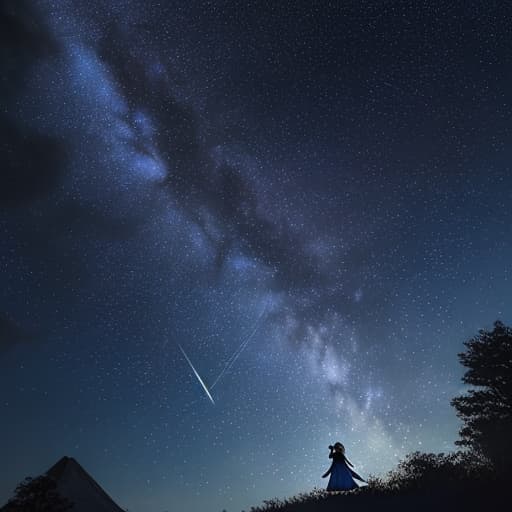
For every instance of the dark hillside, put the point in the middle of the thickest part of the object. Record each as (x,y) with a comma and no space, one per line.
(421,482)
(477,495)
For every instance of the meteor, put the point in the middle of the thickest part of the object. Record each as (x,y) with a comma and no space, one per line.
(231,361)
(197,374)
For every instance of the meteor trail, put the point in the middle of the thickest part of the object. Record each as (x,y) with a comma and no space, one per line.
(231,361)
(196,374)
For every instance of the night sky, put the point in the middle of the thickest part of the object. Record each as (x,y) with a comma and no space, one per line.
(326,186)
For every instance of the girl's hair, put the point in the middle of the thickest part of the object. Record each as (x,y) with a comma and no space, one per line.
(340,446)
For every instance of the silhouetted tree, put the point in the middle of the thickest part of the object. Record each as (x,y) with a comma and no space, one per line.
(38,495)
(487,410)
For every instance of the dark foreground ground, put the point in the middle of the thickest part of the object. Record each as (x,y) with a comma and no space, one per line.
(480,496)
(458,482)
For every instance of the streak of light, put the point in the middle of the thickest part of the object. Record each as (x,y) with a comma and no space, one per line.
(231,361)
(197,374)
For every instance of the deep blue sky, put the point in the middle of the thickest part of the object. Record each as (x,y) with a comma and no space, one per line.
(331,180)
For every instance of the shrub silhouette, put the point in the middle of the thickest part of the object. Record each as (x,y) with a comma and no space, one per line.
(431,471)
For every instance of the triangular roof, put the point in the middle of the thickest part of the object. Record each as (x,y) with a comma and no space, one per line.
(74,483)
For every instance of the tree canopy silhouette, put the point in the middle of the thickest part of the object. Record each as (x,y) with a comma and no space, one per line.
(487,410)
(38,495)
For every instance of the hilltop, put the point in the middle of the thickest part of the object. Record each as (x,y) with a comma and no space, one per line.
(421,483)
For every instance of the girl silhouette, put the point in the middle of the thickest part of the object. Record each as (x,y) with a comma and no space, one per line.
(342,474)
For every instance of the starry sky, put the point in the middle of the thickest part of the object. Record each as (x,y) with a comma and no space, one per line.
(312,199)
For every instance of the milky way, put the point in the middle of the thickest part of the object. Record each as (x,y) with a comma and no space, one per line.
(314,200)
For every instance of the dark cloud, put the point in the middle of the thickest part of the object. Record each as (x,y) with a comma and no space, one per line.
(31,163)
(24,40)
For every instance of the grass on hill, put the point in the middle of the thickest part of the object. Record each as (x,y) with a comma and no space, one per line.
(421,482)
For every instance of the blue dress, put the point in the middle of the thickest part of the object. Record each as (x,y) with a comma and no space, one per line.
(341,478)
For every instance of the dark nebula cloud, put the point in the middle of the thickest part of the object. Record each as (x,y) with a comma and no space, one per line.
(25,39)
(32,163)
